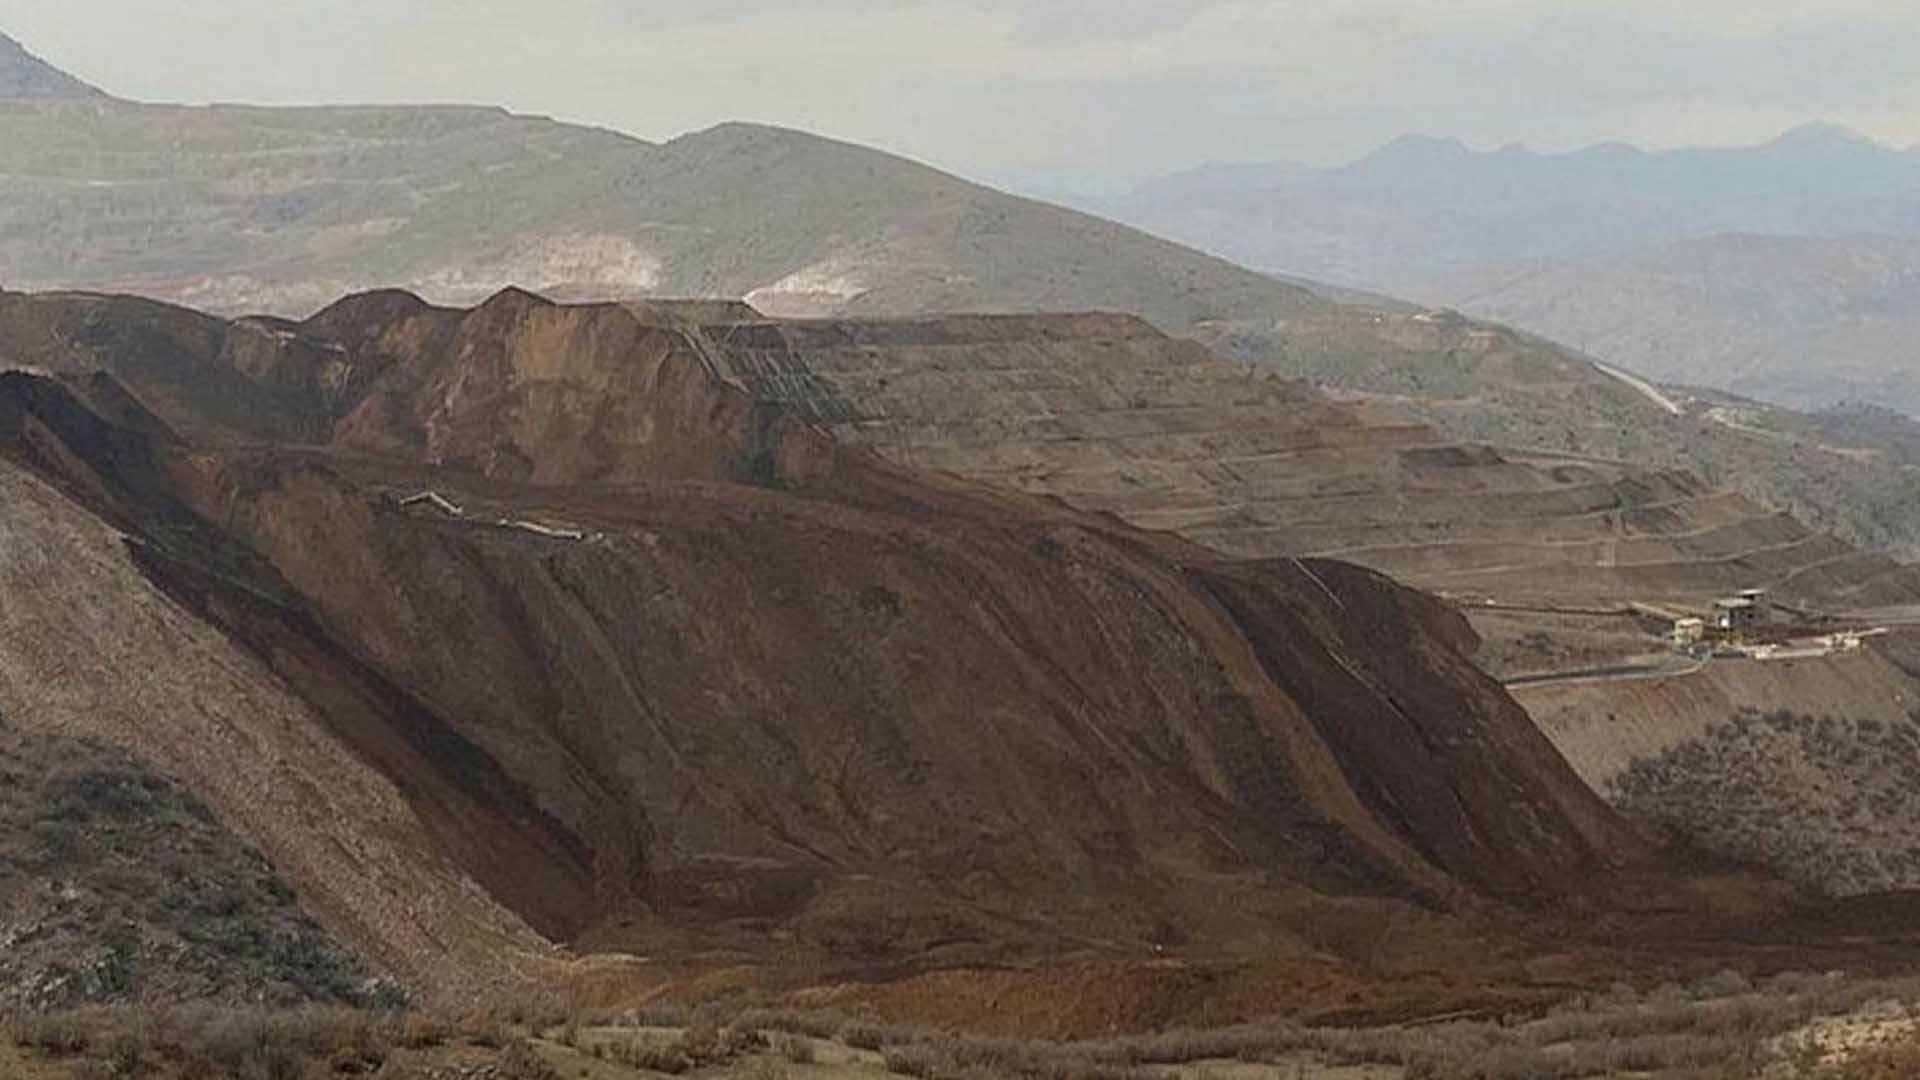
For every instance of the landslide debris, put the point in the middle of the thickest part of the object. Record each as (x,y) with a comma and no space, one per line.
(755,689)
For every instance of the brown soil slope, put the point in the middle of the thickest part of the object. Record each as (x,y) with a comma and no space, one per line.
(91,647)
(1108,414)
(666,662)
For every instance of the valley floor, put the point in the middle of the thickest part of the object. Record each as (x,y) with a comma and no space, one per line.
(1792,1026)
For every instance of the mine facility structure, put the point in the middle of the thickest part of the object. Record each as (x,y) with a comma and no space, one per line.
(1731,621)
(1734,625)
(1683,630)
(1735,616)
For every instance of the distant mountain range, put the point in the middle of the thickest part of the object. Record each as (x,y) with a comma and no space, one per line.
(1787,271)
(1418,209)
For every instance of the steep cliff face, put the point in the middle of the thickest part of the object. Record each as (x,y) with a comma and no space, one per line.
(522,389)
(660,660)
(1467,776)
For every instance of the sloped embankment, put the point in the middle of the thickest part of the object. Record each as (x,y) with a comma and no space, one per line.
(92,647)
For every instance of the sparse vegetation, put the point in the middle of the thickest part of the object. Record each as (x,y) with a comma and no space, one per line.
(1828,800)
(1720,1028)
(209,1040)
(797,1049)
(155,897)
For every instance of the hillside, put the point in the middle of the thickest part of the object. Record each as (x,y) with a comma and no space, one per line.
(1808,765)
(1477,382)
(242,210)
(281,210)
(1109,414)
(118,885)
(1800,321)
(1782,272)
(1543,553)
(668,670)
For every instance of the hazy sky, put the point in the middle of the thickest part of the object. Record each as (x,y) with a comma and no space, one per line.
(1083,90)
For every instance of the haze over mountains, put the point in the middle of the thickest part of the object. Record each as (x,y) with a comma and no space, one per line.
(1420,207)
(1805,321)
(1784,271)
(241,209)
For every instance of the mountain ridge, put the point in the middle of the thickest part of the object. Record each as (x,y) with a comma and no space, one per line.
(1401,218)
(251,209)
(25,76)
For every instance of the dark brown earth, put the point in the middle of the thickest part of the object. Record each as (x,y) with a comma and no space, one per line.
(682,676)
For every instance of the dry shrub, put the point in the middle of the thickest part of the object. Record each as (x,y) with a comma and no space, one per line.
(419,1030)
(665,1014)
(703,1043)
(923,1060)
(536,1012)
(61,1034)
(654,1056)
(1898,1060)
(520,1061)
(797,1049)
(881,1036)
(1719,1028)
(813,1023)
(766,1069)
(487,1029)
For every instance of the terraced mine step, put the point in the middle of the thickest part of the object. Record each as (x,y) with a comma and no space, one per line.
(1107,413)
